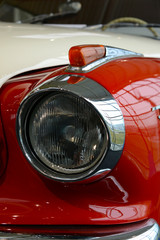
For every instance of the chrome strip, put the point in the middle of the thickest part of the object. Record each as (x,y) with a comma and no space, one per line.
(149,232)
(105,105)
(112,53)
(156,108)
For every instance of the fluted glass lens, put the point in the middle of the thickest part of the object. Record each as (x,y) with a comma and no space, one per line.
(66,133)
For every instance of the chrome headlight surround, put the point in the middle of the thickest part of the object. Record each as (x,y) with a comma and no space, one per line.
(97,98)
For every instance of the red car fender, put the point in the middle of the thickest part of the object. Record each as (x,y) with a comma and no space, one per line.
(129,193)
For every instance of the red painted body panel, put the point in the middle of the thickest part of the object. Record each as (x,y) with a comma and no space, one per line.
(129,193)
(3,150)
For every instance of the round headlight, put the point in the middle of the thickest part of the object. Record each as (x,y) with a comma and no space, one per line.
(70,132)
(66,133)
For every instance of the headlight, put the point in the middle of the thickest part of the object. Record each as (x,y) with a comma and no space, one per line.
(64,132)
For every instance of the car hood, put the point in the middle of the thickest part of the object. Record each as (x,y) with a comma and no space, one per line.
(27,47)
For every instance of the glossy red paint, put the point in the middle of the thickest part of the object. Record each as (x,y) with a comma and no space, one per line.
(3,150)
(129,193)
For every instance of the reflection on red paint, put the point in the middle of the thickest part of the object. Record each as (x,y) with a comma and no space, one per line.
(114,213)
(120,213)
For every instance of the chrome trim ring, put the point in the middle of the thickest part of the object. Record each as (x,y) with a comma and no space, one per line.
(112,53)
(150,231)
(103,103)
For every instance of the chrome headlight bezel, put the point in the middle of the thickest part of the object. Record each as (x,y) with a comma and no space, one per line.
(98,98)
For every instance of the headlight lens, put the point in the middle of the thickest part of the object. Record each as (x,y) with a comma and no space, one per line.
(66,133)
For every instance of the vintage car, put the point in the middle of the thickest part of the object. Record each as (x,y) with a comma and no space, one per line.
(79,126)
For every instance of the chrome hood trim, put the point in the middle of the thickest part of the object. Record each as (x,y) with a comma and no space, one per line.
(112,53)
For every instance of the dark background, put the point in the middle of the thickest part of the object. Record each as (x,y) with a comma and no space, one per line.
(93,11)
